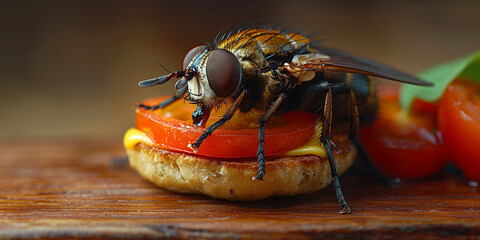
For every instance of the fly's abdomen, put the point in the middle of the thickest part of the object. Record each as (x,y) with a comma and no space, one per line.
(310,96)
(365,94)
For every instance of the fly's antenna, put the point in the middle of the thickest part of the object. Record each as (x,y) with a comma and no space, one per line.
(160,80)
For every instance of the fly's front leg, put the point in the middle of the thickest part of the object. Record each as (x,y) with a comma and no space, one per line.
(261,135)
(179,94)
(226,116)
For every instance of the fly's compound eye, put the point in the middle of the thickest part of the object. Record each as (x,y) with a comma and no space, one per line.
(223,72)
(191,54)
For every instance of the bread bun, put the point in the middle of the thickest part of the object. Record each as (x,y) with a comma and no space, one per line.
(232,178)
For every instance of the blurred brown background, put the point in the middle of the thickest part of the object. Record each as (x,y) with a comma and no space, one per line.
(70,68)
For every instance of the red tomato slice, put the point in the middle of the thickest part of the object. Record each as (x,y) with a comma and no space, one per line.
(401,145)
(459,121)
(171,128)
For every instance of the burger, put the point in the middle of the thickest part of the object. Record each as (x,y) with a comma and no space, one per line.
(225,165)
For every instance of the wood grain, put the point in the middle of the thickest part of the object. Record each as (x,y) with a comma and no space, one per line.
(74,189)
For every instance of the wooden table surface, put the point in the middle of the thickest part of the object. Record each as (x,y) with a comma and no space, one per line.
(63,189)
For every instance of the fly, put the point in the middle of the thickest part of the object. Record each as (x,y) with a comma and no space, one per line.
(276,71)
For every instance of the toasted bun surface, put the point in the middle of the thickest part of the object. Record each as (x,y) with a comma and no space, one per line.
(232,178)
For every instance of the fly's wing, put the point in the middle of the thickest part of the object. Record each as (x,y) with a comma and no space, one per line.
(333,60)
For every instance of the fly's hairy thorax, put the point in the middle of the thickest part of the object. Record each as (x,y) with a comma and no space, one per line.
(261,52)
(263,47)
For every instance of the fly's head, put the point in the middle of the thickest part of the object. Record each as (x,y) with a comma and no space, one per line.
(217,74)
(208,76)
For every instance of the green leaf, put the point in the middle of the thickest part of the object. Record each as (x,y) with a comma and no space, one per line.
(441,75)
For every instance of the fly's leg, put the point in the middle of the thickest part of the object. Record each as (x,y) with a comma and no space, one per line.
(261,135)
(354,136)
(327,89)
(325,139)
(260,152)
(226,116)
(179,94)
